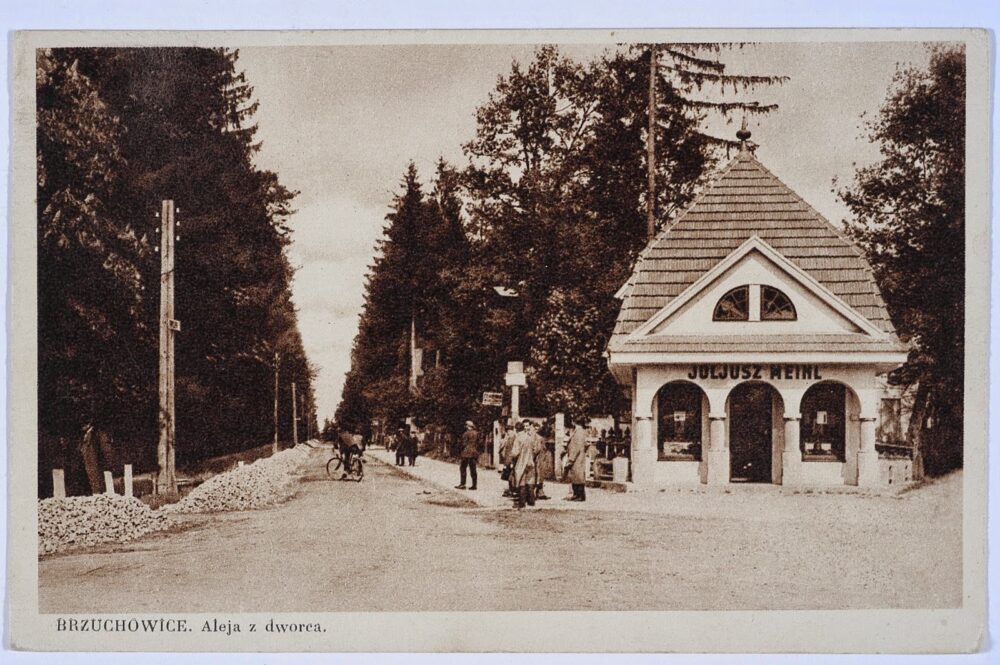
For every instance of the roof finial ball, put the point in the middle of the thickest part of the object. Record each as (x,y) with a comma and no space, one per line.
(744,136)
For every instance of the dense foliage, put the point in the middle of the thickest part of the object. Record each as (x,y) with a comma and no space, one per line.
(553,204)
(909,211)
(118,131)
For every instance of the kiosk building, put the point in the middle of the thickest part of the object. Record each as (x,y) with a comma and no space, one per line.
(755,343)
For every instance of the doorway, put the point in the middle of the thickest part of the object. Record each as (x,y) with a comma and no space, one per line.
(750,449)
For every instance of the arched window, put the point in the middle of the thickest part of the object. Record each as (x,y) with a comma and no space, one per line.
(734,306)
(775,305)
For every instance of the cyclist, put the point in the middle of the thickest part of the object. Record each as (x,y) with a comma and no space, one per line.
(348,448)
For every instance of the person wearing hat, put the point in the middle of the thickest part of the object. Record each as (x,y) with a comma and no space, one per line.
(524,457)
(506,447)
(576,459)
(469,454)
(402,445)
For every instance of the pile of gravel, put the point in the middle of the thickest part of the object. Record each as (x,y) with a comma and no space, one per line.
(80,521)
(263,483)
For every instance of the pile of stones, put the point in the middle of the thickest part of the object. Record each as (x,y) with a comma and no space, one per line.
(81,521)
(263,483)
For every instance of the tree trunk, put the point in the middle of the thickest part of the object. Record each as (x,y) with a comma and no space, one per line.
(915,430)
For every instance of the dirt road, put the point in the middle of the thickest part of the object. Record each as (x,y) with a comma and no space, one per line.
(395,544)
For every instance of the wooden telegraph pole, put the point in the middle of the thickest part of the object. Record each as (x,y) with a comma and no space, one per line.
(277,359)
(295,418)
(651,148)
(166,480)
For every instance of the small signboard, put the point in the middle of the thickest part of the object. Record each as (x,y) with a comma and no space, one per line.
(516,379)
(492,399)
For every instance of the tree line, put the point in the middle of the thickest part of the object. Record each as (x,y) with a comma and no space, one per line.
(119,130)
(517,255)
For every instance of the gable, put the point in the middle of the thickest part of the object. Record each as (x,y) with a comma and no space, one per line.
(743,201)
(813,314)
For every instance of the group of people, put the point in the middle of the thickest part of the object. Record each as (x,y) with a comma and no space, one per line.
(521,453)
(406,447)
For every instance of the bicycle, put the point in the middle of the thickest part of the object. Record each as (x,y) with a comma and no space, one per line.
(355,473)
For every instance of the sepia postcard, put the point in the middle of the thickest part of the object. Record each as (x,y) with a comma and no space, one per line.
(499,341)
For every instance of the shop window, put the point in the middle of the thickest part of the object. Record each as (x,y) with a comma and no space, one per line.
(890,430)
(775,305)
(679,426)
(822,430)
(734,306)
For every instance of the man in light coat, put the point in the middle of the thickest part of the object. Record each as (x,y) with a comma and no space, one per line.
(576,461)
(524,455)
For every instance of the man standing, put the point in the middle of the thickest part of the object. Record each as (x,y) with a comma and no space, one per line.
(469,454)
(524,455)
(402,442)
(576,459)
(538,446)
(506,447)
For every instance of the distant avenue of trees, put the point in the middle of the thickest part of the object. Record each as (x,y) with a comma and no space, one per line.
(117,131)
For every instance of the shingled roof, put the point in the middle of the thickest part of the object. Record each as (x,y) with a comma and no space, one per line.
(744,200)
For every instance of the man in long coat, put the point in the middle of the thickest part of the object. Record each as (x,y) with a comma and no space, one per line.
(506,447)
(527,447)
(576,461)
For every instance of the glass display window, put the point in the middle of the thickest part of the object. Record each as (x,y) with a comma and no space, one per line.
(823,426)
(679,423)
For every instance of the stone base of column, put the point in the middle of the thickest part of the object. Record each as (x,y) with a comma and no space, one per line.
(868,475)
(643,467)
(791,468)
(717,462)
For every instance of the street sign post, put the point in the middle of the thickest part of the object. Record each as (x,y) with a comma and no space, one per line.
(492,399)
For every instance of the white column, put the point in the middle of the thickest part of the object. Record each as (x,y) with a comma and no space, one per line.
(791,457)
(560,445)
(643,451)
(868,475)
(58,484)
(717,456)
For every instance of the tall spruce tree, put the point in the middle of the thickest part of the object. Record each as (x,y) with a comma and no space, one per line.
(909,216)
(185,132)
(377,383)
(409,292)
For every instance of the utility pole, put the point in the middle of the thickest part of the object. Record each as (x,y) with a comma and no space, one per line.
(277,359)
(166,480)
(305,413)
(416,357)
(295,418)
(651,148)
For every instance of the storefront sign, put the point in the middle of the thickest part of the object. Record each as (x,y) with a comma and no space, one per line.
(747,372)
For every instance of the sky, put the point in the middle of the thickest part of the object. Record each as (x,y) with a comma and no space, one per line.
(340,124)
